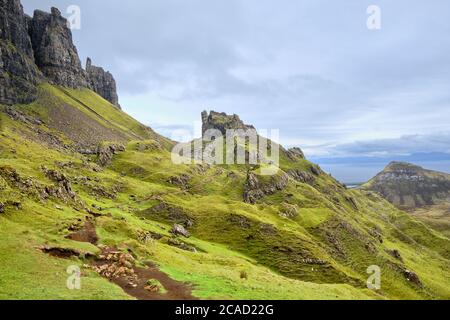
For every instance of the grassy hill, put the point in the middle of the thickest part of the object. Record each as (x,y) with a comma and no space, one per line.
(80,178)
(409,186)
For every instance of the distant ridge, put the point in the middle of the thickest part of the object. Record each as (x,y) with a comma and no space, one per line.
(409,186)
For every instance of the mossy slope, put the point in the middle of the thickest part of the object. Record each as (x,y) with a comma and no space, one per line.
(310,239)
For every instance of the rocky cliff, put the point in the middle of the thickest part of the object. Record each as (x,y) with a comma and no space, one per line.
(41,49)
(409,186)
(18,73)
(102,82)
(222,122)
(54,51)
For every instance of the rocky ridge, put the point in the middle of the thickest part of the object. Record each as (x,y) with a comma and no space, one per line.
(40,49)
(222,122)
(102,82)
(409,186)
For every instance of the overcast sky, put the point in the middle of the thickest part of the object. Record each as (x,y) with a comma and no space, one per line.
(311,68)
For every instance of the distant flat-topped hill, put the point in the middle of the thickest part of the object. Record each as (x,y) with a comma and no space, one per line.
(409,186)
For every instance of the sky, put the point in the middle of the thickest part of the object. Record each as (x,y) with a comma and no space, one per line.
(310,68)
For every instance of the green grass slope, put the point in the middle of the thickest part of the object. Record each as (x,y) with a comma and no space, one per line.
(310,239)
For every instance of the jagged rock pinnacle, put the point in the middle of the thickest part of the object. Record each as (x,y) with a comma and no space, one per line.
(222,122)
(41,49)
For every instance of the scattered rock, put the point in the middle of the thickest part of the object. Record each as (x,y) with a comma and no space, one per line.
(181,181)
(315,169)
(288,210)
(180,230)
(412,277)
(154,285)
(241,221)
(267,229)
(147,236)
(172,213)
(115,264)
(17,115)
(295,154)
(2,207)
(181,245)
(254,189)
(14,203)
(302,176)
(63,188)
(105,153)
(313,261)
(396,254)
(376,233)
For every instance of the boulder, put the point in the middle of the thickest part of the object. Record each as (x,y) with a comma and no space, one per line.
(412,277)
(179,230)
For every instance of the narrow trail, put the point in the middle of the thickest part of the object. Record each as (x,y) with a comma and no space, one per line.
(175,290)
(137,288)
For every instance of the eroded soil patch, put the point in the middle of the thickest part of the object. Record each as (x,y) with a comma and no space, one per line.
(86,234)
(119,268)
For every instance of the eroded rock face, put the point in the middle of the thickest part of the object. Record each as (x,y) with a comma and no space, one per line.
(54,51)
(18,73)
(33,50)
(295,154)
(106,152)
(14,26)
(409,186)
(222,122)
(255,189)
(102,82)
(179,230)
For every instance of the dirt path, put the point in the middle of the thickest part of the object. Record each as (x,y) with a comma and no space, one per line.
(86,234)
(120,269)
(175,290)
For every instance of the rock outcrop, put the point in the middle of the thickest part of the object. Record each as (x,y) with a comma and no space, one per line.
(54,51)
(295,154)
(256,189)
(102,82)
(39,49)
(18,73)
(222,122)
(409,186)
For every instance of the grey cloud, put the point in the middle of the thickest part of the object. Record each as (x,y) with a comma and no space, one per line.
(405,145)
(310,68)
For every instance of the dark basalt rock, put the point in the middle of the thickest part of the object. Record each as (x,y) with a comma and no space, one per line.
(106,153)
(255,189)
(54,51)
(179,230)
(222,122)
(295,154)
(14,26)
(18,73)
(33,50)
(102,82)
